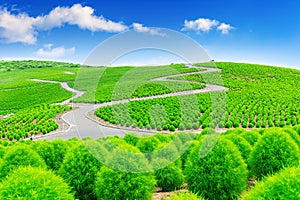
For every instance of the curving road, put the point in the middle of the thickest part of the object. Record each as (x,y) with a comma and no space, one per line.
(83,121)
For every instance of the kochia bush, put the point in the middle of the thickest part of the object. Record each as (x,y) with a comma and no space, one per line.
(126,176)
(243,146)
(19,155)
(53,152)
(272,152)
(251,136)
(34,183)
(221,174)
(282,185)
(79,170)
(168,176)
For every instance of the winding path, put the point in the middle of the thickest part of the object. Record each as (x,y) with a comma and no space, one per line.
(82,120)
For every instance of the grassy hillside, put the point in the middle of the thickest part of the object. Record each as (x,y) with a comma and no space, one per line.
(258,96)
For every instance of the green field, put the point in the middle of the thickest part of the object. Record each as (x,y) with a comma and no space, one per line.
(262,163)
(259,96)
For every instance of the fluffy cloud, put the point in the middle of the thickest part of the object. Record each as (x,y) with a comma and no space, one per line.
(23,28)
(78,15)
(142,29)
(17,28)
(224,28)
(57,52)
(205,25)
(201,24)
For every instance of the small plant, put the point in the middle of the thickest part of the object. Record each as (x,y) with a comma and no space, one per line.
(131,138)
(79,170)
(34,183)
(282,185)
(293,134)
(147,145)
(243,146)
(251,136)
(126,176)
(168,176)
(19,155)
(274,151)
(53,152)
(221,174)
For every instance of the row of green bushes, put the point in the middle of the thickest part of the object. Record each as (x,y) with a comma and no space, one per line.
(214,166)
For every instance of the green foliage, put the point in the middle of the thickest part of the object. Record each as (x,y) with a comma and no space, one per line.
(184,196)
(243,146)
(53,152)
(125,82)
(32,64)
(297,129)
(274,151)
(79,170)
(251,136)
(31,121)
(148,144)
(19,155)
(34,183)
(282,185)
(164,87)
(126,176)
(2,151)
(168,176)
(131,138)
(258,97)
(293,134)
(221,174)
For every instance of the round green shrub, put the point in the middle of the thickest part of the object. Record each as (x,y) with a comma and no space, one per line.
(19,155)
(148,144)
(79,170)
(184,196)
(243,146)
(221,174)
(126,176)
(272,152)
(168,176)
(131,138)
(293,134)
(34,183)
(53,152)
(282,185)
(251,136)
(168,152)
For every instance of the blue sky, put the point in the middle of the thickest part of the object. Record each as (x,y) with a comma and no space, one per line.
(265,31)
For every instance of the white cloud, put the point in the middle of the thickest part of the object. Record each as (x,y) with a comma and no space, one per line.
(23,28)
(142,29)
(57,52)
(201,24)
(78,15)
(16,28)
(205,25)
(225,28)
